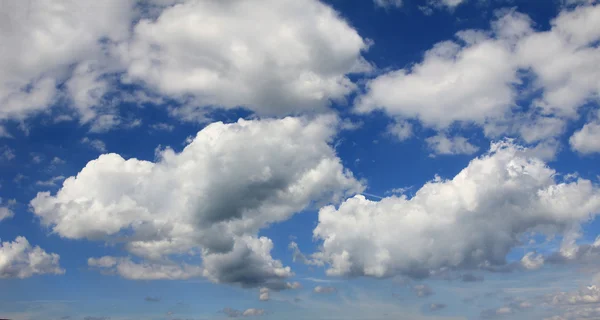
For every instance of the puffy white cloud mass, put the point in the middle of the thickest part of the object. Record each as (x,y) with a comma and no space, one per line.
(443,145)
(18,259)
(479,77)
(210,199)
(472,220)
(42,41)
(587,139)
(296,59)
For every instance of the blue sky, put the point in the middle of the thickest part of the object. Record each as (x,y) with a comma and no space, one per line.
(285,159)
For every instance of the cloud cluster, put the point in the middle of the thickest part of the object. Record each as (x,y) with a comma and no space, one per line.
(202,53)
(470,221)
(209,200)
(18,259)
(481,76)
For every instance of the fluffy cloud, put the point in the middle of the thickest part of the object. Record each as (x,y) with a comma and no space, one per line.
(296,59)
(211,199)
(444,145)
(532,261)
(471,220)
(474,78)
(263,294)
(233,313)
(44,40)
(581,304)
(18,259)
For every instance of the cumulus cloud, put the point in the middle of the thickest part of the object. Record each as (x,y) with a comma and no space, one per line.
(532,261)
(296,59)
(263,294)
(587,139)
(33,64)
(444,145)
(211,199)
(400,129)
(18,259)
(474,78)
(472,220)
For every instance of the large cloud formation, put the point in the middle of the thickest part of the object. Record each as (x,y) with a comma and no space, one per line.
(18,259)
(470,221)
(210,199)
(481,76)
(296,59)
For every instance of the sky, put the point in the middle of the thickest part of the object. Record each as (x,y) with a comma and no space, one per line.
(299,159)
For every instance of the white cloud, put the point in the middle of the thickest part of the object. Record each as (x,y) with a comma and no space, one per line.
(162,127)
(50,182)
(7,153)
(400,129)
(18,259)
(211,199)
(5,211)
(443,145)
(144,271)
(253,312)
(587,139)
(295,60)
(44,39)
(471,220)
(532,261)
(474,78)
(97,144)
(263,294)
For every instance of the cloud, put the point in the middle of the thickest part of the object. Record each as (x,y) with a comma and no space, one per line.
(263,294)
(50,182)
(295,60)
(18,259)
(254,173)
(324,289)
(422,290)
(5,211)
(162,127)
(444,145)
(388,3)
(33,66)
(470,221)
(233,313)
(480,77)
(129,269)
(97,144)
(532,261)
(581,304)
(400,129)
(587,139)
(7,153)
